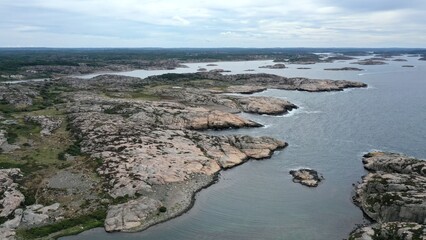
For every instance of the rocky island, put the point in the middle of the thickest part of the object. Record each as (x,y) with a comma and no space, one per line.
(343,69)
(132,151)
(275,66)
(372,61)
(306,177)
(392,194)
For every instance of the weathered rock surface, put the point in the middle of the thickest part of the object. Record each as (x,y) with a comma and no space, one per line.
(7,233)
(33,215)
(48,124)
(393,194)
(196,97)
(110,67)
(38,214)
(137,155)
(307,177)
(10,197)
(394,163)
(268,81)
(106,82)
(265,105)
(391,230)
(131,214)
(18,96)
(144,145)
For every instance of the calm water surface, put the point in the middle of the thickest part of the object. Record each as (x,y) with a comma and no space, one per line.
(329,132)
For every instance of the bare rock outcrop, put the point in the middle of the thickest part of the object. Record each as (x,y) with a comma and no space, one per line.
(209,98)
(131,214)
(245,89)
(264,105)
(48,124)
(11,200)
(146,146)
(307,177)
(393,194)
(265,80)
(391,230)
(38,214)
(394,190)
(18,96)
(10,197)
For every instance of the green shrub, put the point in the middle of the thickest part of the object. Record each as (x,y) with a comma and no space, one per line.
(61,156)
(162,209)
(92,220)
(12,137)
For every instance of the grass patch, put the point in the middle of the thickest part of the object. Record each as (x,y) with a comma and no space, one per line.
(145,96)
(40,154)
(20,131)
(66,227)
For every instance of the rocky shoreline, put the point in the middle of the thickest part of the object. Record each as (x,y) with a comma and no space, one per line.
(393,195)
(143,139)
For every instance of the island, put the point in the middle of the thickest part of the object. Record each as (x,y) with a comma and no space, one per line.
(372,61)
(344,69)
(275,66)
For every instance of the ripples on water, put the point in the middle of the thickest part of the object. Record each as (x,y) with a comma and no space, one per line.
(329,133)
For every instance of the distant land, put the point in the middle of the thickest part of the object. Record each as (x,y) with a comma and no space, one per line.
(27,63)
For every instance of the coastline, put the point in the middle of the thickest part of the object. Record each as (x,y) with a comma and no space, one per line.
(107,111)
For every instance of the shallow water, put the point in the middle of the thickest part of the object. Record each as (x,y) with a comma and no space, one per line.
(329,132)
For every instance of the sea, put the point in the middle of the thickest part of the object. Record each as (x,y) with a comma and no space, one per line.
(329,132)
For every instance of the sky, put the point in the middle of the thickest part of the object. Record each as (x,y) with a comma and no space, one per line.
(214,23)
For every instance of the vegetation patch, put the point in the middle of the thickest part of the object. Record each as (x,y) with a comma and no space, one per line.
(66,227)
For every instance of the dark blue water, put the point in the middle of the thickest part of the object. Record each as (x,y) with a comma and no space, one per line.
(329,133)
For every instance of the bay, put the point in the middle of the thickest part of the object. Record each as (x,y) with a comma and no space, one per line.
(329,132)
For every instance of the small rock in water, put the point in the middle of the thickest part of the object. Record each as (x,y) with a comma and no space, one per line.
(307,177)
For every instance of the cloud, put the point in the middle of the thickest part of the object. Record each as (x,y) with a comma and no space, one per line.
(181,21)
(28,28)
(245,23)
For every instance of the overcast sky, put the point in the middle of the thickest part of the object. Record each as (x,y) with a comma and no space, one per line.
(215,23)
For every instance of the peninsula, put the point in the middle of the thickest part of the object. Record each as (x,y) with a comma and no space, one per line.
(126,153)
